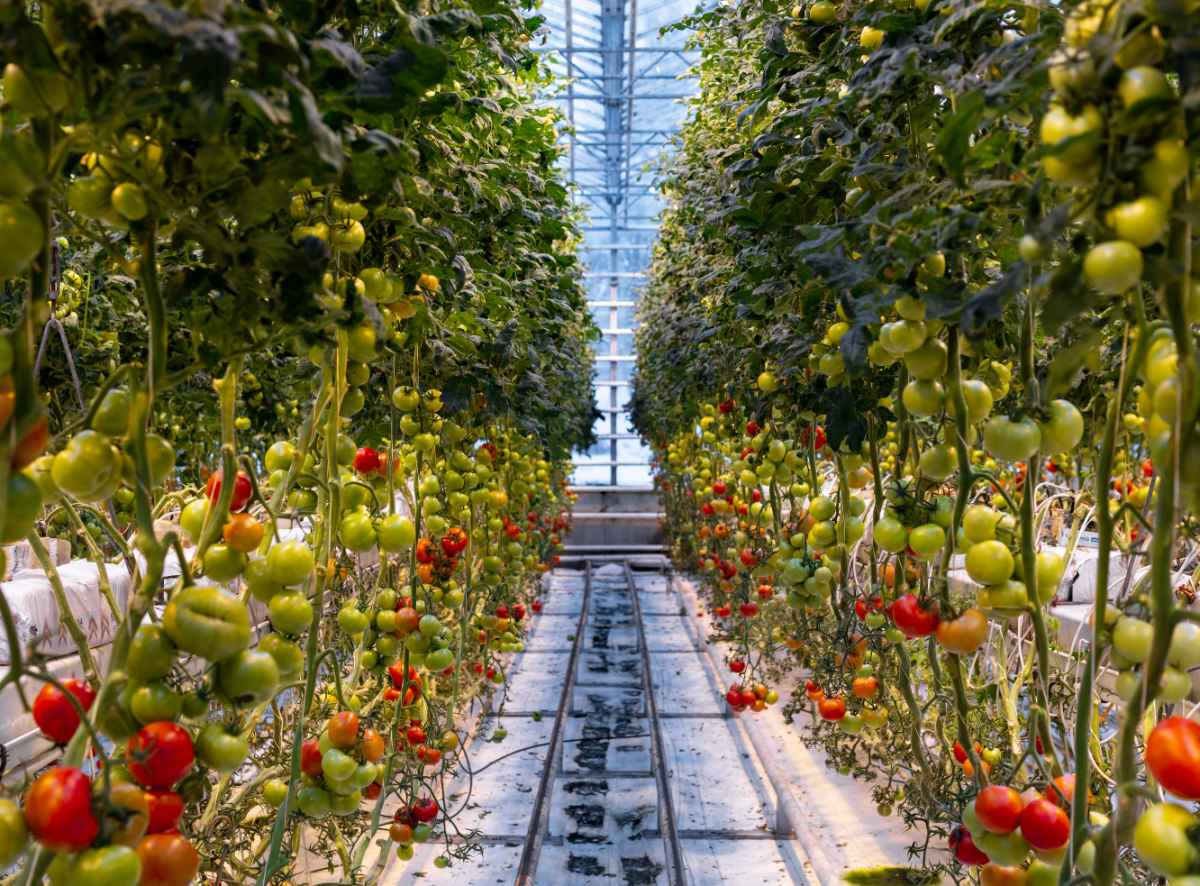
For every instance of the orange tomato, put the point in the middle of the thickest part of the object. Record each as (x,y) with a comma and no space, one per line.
(243,533)
(865,687)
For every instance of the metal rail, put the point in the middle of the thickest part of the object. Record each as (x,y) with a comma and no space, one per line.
(676,875)
(539,821)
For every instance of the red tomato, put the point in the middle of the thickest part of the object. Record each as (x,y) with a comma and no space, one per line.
(167,860)
(58,810)
(833,708)
(998,808)
(242,490)
(160,754)
(964,848)
(165,808)
(367,460)
(425,810)
(1173,756)
(912,619)
(54,713)
(310,758)
(1045,825)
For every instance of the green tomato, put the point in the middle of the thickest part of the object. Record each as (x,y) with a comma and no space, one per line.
(86,468)
(222,563)
(1005,849)
(989,562)
(1010,440)
(248,677)
(1184,651)
(160,455)
(13,835)
(289,657)
(112,415)
(923,398)
(1113,267)
(290,562)
(220,749)
(21,233)
(279,456)
(1144,84)
(151,654)
(314,802)
(1161,839)
(108,866)
(257,576)
(192,517)
(927,540)
(337,765)
(939,462)
(1008,599)
(357,532)
(1132,638)
(155,701)
(1141,222)
(927,362)
(351,620)
(979,523)
(396,534)
(439,659)
(290,612)
(1050,570)
(1063,429)
(346,804)
(274,791)
(208,622)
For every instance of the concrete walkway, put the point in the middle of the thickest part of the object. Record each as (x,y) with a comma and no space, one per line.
(627,768)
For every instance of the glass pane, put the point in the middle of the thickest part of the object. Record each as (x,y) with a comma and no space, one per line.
(633,475)
(593,475)
(632,450)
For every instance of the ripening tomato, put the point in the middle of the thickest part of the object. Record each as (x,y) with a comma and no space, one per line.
(965,634)
(127,815)
(342,729)
(164,809)
(1173,756)
(167,860)
(865,687)
(58,810)
(54,713)
(1002,875)
(998,808)
(371,746)
(242,489)
(160,754)
(243,533)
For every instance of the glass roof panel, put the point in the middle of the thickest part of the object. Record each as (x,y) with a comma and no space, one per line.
(621,95)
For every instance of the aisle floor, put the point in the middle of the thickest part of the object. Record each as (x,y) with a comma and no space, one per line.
(600,816)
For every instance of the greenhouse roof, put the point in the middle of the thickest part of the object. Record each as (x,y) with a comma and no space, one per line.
(622,87)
